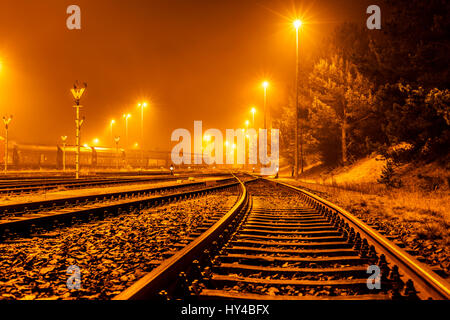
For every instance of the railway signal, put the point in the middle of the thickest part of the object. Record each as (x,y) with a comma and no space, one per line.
(6,121)
(77,92)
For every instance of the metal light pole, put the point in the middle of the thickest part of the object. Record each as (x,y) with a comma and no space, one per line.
(253,117)
(6,121)
(142,106)
(64,139)
(297,24)
(112,132)
(117,139)
(265,85)
(77,92)
(126,117)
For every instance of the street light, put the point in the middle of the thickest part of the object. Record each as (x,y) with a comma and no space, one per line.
(253,111)
(116,140)
(142,106)
(265,84)
(126,117)
(6,121)
(113,122)
(297,25)
(64,140)
(77,92)
(96,141)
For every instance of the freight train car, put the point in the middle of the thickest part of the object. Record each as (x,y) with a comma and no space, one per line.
(24,156)
(147,159)
(109,158)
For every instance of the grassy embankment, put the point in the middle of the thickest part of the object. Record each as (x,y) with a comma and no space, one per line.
(416,215)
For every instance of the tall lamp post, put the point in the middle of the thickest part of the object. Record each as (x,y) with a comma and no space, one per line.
(142,106)
(253,111)
(64,140)
(6,121)
(265,84)
(126,117)
(77,92)
(297,25)
(116,140)
(112,123)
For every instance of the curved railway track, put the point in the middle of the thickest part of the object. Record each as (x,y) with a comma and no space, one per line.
(11,187)
(282,242)
(26,217)
(114,250)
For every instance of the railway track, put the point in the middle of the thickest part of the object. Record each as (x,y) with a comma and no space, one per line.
(281,242)
(27,217)
(9,187)
(113,251)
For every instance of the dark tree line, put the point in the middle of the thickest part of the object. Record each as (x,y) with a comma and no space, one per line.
(384,91)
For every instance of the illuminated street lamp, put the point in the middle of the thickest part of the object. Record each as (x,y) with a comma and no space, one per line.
(6,121)
(265,84)
(126,117)
(253,111)
(116,140)
(77,92)
(64,140)
(96,141)
(297,25)
(142,106)
(113,122)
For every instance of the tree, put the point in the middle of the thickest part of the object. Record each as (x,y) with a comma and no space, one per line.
(417,117)
(343,98)
(414,42)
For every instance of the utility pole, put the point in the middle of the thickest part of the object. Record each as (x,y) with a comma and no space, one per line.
(6,121)
(77,92)
(64,139)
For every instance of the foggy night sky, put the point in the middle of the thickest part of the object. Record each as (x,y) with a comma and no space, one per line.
(190,59)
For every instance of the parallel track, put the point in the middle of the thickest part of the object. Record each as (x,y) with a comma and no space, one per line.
(307,249)
(25,217)
(29,186)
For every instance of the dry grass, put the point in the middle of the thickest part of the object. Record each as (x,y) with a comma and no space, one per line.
(426,213)
(417,214)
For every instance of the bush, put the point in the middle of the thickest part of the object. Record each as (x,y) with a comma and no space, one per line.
(388,176)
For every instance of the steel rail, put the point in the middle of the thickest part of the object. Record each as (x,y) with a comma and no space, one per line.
(429,284)
(86,209)
(21,187)
(162,277)
(43,204)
